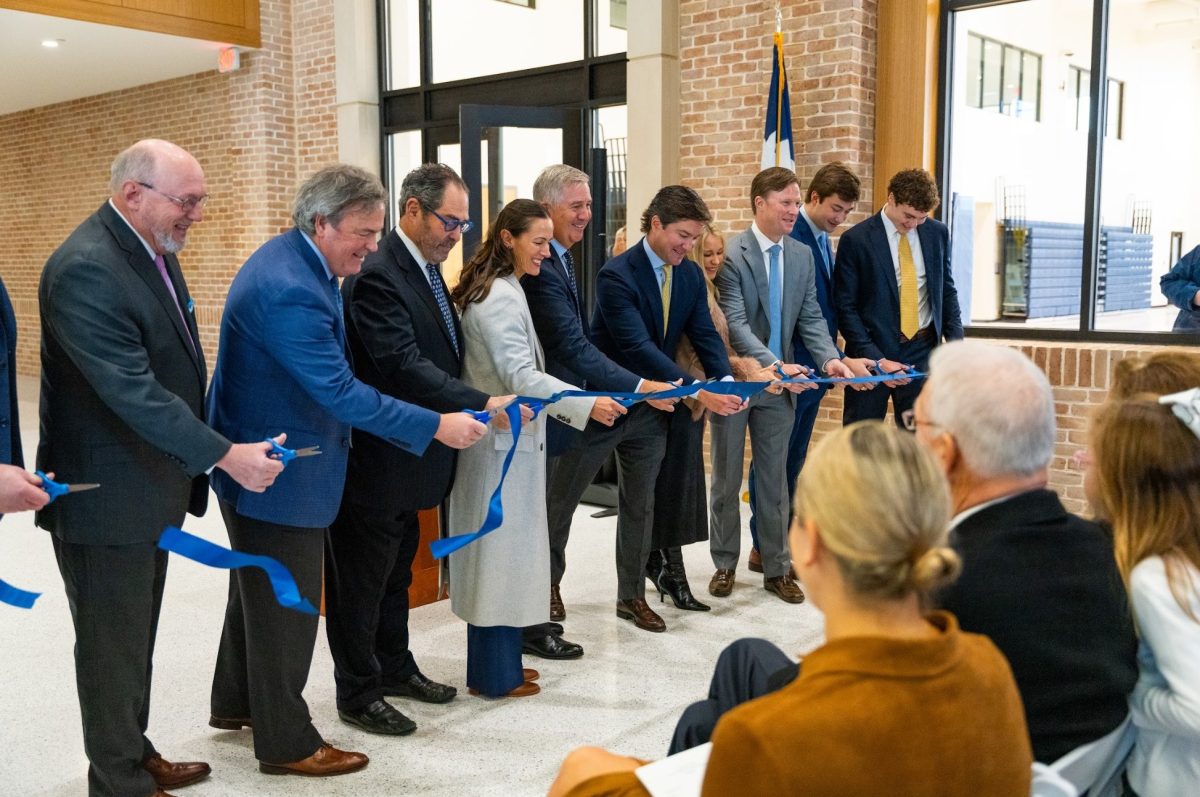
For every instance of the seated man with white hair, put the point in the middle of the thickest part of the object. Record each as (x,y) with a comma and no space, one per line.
(1041,582)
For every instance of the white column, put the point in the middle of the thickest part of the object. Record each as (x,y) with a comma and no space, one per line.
(652,89)
(356,56)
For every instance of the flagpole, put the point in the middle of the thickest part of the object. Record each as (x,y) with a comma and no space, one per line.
(779,88)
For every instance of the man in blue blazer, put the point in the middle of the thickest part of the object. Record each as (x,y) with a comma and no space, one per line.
(830,197)
(20,490)
(562,326)
(894,292)
(647,298)
(283,367)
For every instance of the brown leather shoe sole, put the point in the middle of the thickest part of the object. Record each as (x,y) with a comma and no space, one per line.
(646,624)
(720,587)
(531,675)
(527,689)
(168,775)
(794,595)
(354,762)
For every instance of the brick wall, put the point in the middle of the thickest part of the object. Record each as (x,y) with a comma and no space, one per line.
(256,132)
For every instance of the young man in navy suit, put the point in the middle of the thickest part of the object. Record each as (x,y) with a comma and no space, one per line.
(561,321)
(829,199)
(647,298)
(894,292)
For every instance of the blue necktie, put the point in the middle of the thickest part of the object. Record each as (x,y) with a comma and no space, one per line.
(569,267)
(827,251)
(337,300)
(439,293)
(775,303)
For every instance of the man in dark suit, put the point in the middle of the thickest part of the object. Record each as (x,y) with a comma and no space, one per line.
(561,322)
(894,292)
(1041,582)
(20,490)
(828,200)
(767,290)
(406,342)
(647,298)
(123,380)
(283,365)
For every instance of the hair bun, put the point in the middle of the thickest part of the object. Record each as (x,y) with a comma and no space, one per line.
(934,568)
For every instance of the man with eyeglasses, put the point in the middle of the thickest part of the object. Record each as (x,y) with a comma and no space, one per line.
(284,366)
(123,379)
(406,342)
(894,293)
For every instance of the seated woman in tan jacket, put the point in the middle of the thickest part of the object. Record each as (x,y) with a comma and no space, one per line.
(896,701)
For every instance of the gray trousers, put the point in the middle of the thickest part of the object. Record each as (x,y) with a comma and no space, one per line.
(769,419)
(640,440)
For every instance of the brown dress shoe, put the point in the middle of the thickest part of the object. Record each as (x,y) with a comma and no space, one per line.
(175,776)
(755,561)
(327,761)
(524,690)
(785,587)
(558,612)
(530,675)
(641,614)
(721,584)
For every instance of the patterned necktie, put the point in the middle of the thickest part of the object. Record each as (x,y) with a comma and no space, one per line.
(666,296)
(775,303)
(827,250)
(439,293)
(162,271)
(909,322)
(569,267)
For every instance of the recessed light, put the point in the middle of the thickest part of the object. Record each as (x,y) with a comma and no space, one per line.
(52,43)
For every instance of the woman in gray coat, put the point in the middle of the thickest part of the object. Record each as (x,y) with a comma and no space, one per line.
(499,583)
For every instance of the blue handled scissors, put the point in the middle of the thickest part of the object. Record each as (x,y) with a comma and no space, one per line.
(485,416)
(56,489)
(286,455)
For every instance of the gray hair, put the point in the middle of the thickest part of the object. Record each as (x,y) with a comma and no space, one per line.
(996,403)
(333,192)
(552,183)
(427,184)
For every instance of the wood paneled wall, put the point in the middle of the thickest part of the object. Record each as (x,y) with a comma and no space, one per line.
(230,21)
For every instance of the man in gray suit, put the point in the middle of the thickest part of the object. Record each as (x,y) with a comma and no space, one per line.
(122,399)
(768,292)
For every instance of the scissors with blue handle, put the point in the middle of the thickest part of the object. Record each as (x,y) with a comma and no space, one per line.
(485,416)
(56,489)
(286,455)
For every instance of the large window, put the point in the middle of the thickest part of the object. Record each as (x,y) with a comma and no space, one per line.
(1069,224)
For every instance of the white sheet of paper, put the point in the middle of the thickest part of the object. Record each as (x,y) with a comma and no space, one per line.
(679,775)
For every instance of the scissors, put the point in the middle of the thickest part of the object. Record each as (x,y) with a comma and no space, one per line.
(286,455)
(484,416)
(55,489)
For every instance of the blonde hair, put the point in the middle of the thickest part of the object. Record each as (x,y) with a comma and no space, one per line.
(881,506)
(697,256)
(1159,373)
(1147,469)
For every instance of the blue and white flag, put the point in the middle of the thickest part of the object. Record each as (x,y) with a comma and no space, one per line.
(777,133)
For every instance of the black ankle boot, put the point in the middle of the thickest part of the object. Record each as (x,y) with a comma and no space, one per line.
(672,580)
(654,566)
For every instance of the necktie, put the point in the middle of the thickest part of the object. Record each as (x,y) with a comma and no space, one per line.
(827,250)
(439,293)
(162,271)
(775,303)
(666,296)
(569,267)
(909,323)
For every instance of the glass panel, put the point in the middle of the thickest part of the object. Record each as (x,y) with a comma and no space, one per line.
(611,134)
(610,26)
(1017,189)
(1031,86)
(404,155)
(1012,82)
(451,155)
(1149,189)
(403,45)
(488,37)
(991,76)
(974,84)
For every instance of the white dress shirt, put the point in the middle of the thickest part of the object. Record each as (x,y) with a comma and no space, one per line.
(924,314)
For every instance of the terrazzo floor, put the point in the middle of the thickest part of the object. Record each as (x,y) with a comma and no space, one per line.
(624,694)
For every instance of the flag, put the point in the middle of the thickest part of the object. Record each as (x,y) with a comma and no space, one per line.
(777,133)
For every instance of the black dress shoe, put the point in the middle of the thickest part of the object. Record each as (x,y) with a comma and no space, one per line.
(418,687)
(379,717)
(551,646)
(230,723)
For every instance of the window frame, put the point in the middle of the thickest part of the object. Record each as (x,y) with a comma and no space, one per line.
(1097,114)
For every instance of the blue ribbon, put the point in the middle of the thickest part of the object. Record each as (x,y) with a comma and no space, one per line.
(209,553)
(13,596)
(743,390)
(495,512)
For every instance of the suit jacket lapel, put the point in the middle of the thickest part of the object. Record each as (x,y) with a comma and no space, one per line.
(562,270)
(753,256)
(931,256)
(295,239)
(886,272)
(420,285)
(175,272)
(647,282)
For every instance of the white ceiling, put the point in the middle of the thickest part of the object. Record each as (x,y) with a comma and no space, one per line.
(93,59)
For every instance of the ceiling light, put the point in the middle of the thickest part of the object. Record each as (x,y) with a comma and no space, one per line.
(52,43)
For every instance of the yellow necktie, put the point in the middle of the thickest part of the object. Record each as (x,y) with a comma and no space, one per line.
(909,322)
(666,295)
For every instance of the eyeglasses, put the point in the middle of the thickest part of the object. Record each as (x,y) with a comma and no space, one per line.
(465,225)
(186,205)
(909,419)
